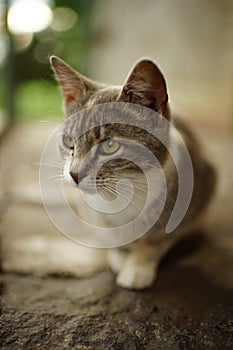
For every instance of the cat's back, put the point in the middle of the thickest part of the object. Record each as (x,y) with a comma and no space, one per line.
(205,176)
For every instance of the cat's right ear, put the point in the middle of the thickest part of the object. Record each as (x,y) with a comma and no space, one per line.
(146,86)
(75,87)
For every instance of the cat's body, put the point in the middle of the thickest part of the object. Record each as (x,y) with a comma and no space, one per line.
(135,266)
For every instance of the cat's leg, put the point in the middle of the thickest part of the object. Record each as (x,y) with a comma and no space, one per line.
(116,258)
(138,269)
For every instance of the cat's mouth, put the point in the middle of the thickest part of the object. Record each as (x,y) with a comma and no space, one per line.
(83,183)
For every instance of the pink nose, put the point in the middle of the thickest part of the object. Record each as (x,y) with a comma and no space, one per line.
(74,177)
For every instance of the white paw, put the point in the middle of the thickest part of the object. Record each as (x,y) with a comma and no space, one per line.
(136,277)
(116,259)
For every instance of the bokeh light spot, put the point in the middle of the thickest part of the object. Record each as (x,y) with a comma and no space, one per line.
(29,16)
(64,19)
(22,41)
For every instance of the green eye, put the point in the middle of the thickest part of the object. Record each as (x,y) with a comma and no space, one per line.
(68,141)
(110,146)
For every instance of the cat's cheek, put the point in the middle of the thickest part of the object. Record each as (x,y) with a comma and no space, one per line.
(66,171)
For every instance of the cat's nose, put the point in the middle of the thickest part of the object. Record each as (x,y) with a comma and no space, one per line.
(74,177)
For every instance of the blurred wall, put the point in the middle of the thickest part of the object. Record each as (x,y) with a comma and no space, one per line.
(191,40)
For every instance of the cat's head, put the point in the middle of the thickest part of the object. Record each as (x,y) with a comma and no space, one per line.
(107,144)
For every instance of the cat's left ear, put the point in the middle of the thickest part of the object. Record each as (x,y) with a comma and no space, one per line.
(146,86)
(75,87)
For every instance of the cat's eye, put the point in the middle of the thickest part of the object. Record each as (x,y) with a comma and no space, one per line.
(110,146)
(68,141)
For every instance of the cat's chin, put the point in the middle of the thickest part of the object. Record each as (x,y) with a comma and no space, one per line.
(81,186)
(72,183)
(85,188)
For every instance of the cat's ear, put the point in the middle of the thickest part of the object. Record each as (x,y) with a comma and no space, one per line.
(75,87)
(146,86)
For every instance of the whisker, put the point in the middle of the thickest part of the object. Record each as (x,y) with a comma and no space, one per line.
(49,165)
(137,195)
(56,176)
(137,183)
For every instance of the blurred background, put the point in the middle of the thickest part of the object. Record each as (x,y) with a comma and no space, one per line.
(191,40)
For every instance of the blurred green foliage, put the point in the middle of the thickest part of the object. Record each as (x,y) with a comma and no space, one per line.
(36,94)
(38,99)
(2,99)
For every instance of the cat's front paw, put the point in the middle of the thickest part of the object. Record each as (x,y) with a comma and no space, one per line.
(116,259)
(136,277)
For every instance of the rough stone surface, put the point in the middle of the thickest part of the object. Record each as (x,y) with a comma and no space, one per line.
(57,295)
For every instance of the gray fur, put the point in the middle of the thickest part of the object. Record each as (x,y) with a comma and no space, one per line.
(144,86)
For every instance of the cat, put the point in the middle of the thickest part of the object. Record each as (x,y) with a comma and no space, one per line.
(135,264)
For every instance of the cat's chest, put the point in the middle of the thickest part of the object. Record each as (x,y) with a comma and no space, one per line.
(114,213)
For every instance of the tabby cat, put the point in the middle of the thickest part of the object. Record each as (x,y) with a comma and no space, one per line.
(136,263)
